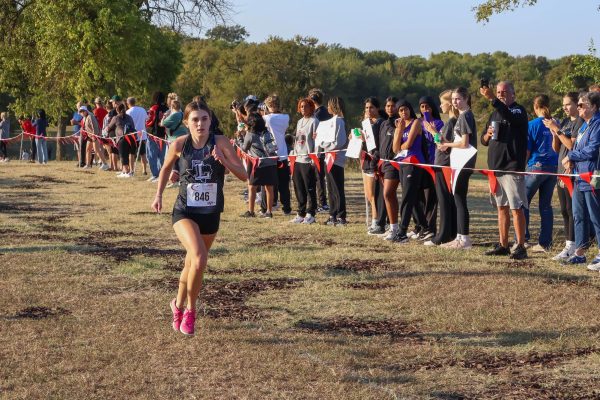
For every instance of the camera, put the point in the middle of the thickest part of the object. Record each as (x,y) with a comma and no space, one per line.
(234,105)
(484,82)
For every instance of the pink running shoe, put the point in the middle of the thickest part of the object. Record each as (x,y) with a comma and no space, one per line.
(177,315)
(188,322)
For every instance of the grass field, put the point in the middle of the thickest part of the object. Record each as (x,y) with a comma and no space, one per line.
(287,312)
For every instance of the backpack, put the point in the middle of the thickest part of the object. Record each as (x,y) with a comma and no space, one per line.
(269,143)
(128,127)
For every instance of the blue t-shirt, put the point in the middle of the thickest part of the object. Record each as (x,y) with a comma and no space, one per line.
(77,117)
(539,144)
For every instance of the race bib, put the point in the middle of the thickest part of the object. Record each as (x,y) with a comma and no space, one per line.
(201,194)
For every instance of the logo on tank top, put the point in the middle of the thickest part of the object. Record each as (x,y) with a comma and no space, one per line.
(202,172)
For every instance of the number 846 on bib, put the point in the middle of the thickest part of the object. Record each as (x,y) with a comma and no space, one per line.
(201,194)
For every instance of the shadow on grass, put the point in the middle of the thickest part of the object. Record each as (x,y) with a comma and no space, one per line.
(495,339)
(223,299)
(379,380)
(550,277)
(36,313)
(393,328)
(495,363)
(447,396)
(41,248)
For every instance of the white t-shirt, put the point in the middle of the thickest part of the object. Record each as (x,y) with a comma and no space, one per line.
(277,124)
(139,116)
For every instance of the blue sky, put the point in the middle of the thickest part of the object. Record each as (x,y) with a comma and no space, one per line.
(552,28)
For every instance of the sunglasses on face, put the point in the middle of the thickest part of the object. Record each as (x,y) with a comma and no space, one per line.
(582,105)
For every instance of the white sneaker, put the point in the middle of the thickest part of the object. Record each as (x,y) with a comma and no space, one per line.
(309,219)
(392,235)
(567,252)
(465,243)
(412,235)
(538,248)
(154,180)
(429,243)
(595,264)
(297,220)
(104,167)
(458,244)
(151,178)
(124,175)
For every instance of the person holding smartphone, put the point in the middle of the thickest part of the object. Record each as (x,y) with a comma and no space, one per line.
(563,140)
(507,152)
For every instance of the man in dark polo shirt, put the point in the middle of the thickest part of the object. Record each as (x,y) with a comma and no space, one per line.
(506,136)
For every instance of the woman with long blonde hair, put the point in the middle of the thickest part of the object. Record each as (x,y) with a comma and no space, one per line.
(447,208)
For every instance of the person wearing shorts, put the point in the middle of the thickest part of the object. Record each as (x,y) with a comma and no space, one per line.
(369,164)
(391,176)
(507,152)
(203,158)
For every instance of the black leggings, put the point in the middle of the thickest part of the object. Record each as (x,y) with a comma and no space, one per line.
(3,149)
(335,190)
(125,149)
(281,189)
(380,203)
(460,199)
(321,185)
(447,207)
(411,187)
(427,204)
(82,149)
(305,182)
(33,150)
(566,210)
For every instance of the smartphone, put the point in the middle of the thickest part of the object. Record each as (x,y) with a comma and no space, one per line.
(484,82)
(427,116)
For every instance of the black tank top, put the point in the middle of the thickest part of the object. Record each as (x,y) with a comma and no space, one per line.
(201,179)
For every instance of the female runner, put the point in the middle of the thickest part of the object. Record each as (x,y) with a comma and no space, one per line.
(203,159)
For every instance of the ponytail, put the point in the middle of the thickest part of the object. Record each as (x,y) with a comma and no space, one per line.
(542,103)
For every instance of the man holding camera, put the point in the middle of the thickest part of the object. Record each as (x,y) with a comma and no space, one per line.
(506,136)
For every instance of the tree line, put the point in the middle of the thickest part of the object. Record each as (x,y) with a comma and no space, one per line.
(224,67)
(53,54)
